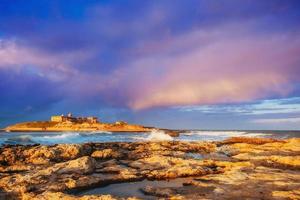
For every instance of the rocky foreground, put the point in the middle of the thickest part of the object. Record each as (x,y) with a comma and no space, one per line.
(237,168)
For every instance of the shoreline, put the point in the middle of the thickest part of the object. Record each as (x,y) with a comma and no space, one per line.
(172,133)
(66,126)
(71,130)
(213,170)
(77,127)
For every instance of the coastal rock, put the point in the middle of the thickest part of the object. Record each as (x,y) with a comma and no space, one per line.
(15,168)
(42,155)
(105,154)
(11,155)
(172,133)
(83,165)
(247,140)
(63,196)
(274,161)
(158,192)
(52,176)
(238,168)
(163,167)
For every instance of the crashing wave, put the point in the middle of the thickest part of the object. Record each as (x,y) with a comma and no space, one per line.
(61,136)
(159,135)
(23,139)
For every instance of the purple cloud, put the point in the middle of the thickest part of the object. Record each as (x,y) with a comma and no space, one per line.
(162,54)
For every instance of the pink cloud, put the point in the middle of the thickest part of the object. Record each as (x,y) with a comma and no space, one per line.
(53,66)
(221,66)
(225,64)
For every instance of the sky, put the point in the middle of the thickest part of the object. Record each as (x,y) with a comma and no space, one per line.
(193,64)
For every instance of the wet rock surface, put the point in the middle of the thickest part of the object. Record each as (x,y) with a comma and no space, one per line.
(237,168)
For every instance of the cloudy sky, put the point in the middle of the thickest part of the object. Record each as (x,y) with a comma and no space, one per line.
(208,64)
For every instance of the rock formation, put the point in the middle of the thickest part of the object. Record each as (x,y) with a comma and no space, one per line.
(237,168)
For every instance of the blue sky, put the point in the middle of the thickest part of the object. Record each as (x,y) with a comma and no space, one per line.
(176,64)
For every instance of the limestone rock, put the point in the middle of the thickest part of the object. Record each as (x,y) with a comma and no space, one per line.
(238,168)
(105,154)
(63,196)
(158,192)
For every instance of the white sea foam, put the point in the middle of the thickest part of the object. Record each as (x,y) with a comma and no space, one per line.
(137,138)
(21,139)
(257,134)
(224,133)
(61,136)
(215,133)
(158,135)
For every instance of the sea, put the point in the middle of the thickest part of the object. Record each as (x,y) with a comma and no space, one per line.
(51,138)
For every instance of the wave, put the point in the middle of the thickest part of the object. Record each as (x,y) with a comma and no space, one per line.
(158,135)
(96,132)
(138,138)
(61,136)
(22,139)
(257,134)
(67,135)
(214,133)
(224,133)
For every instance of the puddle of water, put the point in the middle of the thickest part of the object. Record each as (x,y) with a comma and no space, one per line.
(132,189)
(213,156)
(196,156)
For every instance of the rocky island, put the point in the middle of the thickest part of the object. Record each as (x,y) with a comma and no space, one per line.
(236,168)
(71,123)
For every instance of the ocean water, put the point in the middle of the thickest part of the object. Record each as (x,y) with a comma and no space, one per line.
(50,138)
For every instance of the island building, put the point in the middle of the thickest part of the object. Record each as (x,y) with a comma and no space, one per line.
(70,118)
(121,123)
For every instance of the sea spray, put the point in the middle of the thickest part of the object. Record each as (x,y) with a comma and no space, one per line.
(159,135)
(62,136)
(22,139)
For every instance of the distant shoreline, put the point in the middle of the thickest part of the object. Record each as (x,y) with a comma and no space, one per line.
(52,126)
(82,126)
(46,131)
